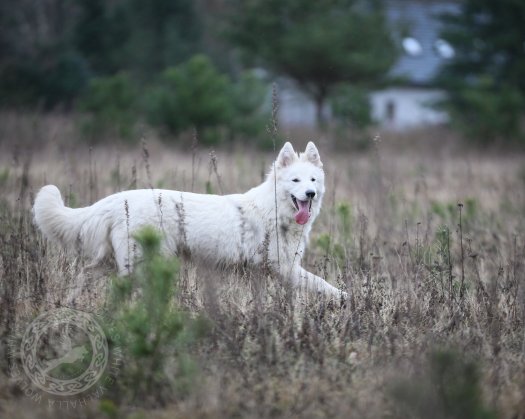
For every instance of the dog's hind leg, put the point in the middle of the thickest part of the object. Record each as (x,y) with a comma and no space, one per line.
(124,251)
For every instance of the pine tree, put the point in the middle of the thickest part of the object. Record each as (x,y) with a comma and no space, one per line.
(485,79)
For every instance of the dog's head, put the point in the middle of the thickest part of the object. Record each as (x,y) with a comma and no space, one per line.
(300,182)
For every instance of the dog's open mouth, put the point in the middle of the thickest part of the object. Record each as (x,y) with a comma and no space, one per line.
(303,210)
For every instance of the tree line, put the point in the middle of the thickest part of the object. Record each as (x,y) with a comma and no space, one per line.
(183,64)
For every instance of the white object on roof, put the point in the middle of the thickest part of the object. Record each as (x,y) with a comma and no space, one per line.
(444,49)
(412,46)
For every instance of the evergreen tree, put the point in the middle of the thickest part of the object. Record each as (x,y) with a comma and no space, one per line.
(162,33)
(38,61)
(140,37)
(485,79)
(99,34)
(50,50)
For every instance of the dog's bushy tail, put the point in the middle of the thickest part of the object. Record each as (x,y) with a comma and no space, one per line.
(60,223)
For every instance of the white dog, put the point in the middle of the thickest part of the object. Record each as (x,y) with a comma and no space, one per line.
(269,224)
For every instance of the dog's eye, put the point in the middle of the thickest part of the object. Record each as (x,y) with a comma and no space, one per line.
(295,180)
(313,179)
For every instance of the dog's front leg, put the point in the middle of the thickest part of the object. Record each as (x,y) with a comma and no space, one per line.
(302,278)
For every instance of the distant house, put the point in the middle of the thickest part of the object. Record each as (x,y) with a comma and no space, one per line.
(423,53)
(296,108)
(407,104)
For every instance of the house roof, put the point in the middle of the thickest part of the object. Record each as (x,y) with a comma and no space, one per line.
(419,21)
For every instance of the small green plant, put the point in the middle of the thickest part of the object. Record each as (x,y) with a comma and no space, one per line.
(109,409)
(72,200)
(345,215)
(438,209)
(442,244)
(324,243)
(448,212)
(471,209)
(4,176)
(336,245)
(209,188)
(154,331)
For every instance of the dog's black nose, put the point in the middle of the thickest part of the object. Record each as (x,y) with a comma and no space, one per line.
(310,194)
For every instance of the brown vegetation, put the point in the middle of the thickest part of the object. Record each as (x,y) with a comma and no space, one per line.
(427,240)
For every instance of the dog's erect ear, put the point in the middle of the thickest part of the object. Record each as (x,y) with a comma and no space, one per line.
(311,154)
(286,156)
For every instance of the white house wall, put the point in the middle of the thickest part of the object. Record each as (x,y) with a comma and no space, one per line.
(297,109)
(409,108)
(406,107)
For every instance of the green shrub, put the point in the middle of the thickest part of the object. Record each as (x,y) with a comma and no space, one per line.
(345,214)
(442,244)
(53,76)
(193,94)
(250,111)
(438,209)
(337,245)
(351,107)
(111,107)
(450,388)
(4,176)
(486,112)
(153,330)
(352,113)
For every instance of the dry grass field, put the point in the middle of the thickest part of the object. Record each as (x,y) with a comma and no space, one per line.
(427,237)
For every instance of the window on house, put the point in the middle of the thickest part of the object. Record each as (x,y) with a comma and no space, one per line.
(390,110)
(412,46)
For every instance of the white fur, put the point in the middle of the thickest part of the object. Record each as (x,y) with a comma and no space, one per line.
(214,229)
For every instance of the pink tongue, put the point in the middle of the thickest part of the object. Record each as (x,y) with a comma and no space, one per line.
(302,216)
